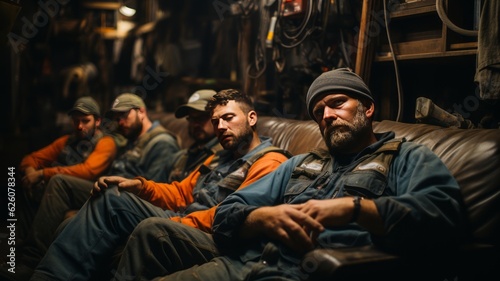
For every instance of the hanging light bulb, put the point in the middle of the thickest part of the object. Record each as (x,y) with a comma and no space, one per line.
(128,8)
(127,11)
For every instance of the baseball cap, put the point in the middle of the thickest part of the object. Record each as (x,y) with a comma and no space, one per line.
(198,101)
(127,101)
(86,105)
(337,80)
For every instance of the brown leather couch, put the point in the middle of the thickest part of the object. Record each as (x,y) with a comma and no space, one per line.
(472,155)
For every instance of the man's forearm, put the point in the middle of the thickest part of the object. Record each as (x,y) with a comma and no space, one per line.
(250,227)
(369,217)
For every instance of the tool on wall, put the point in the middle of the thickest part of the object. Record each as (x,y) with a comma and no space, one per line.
(426,111)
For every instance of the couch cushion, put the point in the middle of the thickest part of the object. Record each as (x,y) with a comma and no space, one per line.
(293,135)
(473,157)
(179,126)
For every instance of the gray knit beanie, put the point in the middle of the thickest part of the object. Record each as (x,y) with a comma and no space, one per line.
(340,80)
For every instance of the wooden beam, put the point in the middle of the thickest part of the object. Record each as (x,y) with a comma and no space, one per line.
(364,53)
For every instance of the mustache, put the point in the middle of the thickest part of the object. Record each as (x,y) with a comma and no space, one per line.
(330,128)
(225,135)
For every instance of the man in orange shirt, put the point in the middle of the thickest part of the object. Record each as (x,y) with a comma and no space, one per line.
(148,152)
(120,204)
(87,153)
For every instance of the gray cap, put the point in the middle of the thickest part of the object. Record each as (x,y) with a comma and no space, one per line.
(341,80)
(126,102)
(86,105)
(198,101)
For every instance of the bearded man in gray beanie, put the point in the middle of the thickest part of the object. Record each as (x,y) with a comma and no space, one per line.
(365,189)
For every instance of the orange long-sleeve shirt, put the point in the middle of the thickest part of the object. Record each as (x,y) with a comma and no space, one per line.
(176,196)
(90,169)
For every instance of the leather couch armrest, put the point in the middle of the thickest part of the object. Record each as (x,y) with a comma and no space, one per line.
(469,262)
(347,263)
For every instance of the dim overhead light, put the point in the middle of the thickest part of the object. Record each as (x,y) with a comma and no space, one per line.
(127,11)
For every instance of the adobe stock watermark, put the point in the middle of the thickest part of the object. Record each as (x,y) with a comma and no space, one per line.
(47,9)
(150,82)
(470,104)
(374,28)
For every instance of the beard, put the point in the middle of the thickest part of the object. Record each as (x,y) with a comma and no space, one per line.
(342,135)
(199,135)
(86,135)
(240,142)
(133,131)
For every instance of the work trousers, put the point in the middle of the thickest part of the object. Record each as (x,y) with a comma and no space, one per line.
(160,249)
(89,240)
(62,193)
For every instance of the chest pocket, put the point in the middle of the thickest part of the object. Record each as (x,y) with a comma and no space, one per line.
(308,178)
(213,187)
(77,150)
(369,177)
(232,181)
(205,190)
(367,183)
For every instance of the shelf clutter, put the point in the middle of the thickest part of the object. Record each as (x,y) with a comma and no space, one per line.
(417,31)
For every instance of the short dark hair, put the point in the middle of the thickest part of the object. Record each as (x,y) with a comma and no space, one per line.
(224,96)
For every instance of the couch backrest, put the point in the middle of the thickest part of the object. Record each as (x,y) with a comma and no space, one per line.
(472,155)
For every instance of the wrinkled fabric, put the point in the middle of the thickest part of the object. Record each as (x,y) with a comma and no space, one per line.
(488,53)
(105,222)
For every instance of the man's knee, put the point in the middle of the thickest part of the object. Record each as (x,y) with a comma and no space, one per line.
(158,228)
(113,199)
(151,225)
(57,183)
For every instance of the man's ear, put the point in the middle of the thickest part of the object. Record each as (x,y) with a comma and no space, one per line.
(141,111)
(252,117)
(98,121)
(370,110)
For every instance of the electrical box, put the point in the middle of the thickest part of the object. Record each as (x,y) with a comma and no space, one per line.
(293,8)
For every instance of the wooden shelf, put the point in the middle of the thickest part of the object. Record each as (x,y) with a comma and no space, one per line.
(405,11)
(430,55)
(418,32)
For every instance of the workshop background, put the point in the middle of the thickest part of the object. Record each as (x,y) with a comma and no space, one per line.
(433,61)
